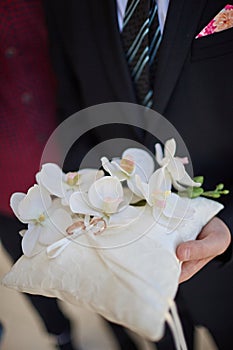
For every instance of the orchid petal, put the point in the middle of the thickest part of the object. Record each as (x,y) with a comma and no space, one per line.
(127,198)
(120,173)
(143,188)
(160,180)
(30,239)
(106,194)
(128,195)
(22,232)
(159,187)
(36,202)
(79,204)
(16,198)
(158,154)
(188,182)
(88,177)
(176,169)
(66,199)
(144,163)
(170,148)
(55,227)
(113,169)
(51,177)
(127,165)
(178,186)
(38,178)
(133,186)
(56,204)
(61,220)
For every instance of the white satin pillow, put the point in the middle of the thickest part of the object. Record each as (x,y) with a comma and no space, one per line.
(128,275)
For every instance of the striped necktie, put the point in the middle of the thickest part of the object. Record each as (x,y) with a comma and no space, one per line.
(141,37)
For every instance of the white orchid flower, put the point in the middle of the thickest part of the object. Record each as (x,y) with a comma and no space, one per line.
(134,162)
(158,188)
(105,199)
(174,166)
(167,208)
(47,221)
(63,185)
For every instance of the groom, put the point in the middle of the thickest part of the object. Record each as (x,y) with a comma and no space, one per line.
(190,83)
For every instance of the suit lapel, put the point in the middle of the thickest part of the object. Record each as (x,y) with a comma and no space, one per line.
(106,32)
(180,29)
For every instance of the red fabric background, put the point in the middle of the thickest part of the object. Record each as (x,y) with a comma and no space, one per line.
(27,95)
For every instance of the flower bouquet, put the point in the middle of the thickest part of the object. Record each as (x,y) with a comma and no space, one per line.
(108,241)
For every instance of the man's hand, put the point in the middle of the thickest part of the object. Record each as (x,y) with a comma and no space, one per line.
(213,240)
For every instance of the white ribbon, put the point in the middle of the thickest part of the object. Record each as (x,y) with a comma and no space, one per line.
(57,248)
(174,323)
(96,226)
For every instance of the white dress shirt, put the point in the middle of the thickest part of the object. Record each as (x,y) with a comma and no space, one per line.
(162,12)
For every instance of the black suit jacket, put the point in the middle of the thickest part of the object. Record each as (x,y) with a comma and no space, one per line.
(194,78)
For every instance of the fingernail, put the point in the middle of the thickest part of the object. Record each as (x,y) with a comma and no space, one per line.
(187,254)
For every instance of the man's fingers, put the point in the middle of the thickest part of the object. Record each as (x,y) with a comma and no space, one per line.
(212,241)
